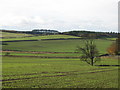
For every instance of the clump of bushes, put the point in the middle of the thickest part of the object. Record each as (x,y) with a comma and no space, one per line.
(114,48)
(4,43)
(7,54)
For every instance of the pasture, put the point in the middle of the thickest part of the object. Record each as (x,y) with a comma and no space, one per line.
(24,67)
(40,37)
(25,72)
(8,35)
(54,45)
(43,54)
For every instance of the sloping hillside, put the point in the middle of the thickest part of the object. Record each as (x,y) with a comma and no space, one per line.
(13,35)
(8,36)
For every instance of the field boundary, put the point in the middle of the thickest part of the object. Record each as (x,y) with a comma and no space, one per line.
(43,39)
(38,56)
(37,52)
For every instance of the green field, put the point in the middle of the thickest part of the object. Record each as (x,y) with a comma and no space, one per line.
(54,45)
(113,39)
(15,35)
(44,54)
(23,72)
(41,37)
(26,66)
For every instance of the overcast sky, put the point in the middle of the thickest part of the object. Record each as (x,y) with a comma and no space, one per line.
(61,15)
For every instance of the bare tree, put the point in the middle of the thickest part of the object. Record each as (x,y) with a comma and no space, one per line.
(89,52)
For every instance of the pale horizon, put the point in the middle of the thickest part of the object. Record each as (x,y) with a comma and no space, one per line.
(61,15)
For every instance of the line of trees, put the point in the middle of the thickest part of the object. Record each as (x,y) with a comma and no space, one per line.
(93,34)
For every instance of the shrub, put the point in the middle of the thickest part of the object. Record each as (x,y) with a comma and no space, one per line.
(7,53)
(113,49)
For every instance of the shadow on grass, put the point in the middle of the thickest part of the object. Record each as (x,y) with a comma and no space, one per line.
(107,65)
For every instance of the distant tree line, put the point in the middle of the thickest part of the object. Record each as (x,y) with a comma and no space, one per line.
(35,31)
(44,31)
(92,34)
(83,34)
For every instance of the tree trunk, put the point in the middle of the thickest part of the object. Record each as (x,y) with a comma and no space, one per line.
(92,63)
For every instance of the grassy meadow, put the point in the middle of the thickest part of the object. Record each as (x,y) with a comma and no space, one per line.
(54,45)
(43,54)
(22,70)
(40,37)
(8,35)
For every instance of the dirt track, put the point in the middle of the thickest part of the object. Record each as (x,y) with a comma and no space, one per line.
(67,74)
